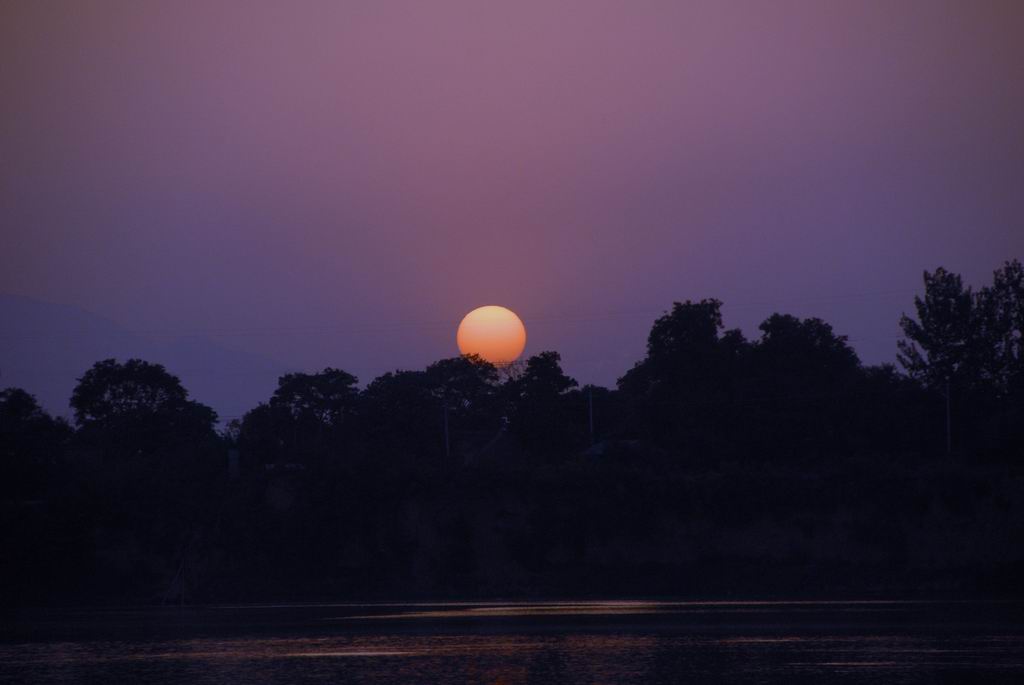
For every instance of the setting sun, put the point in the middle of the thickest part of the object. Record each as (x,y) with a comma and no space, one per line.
(494,333)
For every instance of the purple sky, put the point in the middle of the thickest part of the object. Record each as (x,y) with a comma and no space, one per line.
(338,183)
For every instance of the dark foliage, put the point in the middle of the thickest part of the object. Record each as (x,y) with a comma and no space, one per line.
(718,466)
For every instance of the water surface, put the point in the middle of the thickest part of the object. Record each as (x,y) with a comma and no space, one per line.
(511,643)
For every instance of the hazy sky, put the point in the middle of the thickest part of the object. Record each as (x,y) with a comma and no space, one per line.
(338,183)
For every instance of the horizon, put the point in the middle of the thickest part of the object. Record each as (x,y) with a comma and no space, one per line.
(164,342)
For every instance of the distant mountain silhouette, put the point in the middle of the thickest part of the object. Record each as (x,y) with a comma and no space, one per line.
(45,346)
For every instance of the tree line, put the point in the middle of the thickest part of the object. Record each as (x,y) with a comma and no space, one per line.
(468,479)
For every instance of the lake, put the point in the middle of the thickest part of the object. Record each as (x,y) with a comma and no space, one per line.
(521,642)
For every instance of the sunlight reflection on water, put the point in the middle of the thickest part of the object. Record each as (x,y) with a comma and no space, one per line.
(516,644)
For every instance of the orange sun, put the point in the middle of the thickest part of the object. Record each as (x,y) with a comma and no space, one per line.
(494,333)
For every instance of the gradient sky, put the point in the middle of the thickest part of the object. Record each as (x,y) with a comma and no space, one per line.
(338,183)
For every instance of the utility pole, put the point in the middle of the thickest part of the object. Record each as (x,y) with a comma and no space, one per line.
(447,444)
(590,411)
(949,428)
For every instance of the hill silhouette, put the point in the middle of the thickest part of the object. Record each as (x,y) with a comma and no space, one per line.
(45,346)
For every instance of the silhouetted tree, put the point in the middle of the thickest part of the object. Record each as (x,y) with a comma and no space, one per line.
(887,413)
(310,418)
(802,380)
(322,408)
(328,398)
(1001,308)
(31,444)
(776,465)
(539,408)
(111,390)
(267,435)
(965,348)
(608,407)
(400,416)
(941,345)
(804,351)
(138,407)
(684,392)
(467,386)
(155,465)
